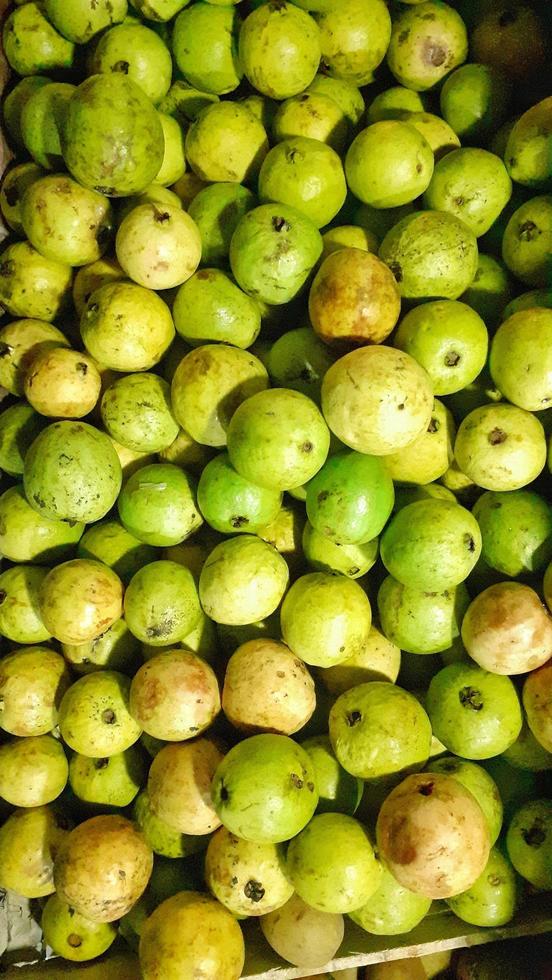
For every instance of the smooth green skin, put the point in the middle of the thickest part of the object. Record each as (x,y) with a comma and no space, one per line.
(126,327)
(527,242)
(475,714)
(184,102)
(325,619)
(393,103)
(20,619)
(527,154)
(94,719)
(418,621)
(392,909)
(14,103)
(431,544)
(26,536)
(364,723)
(278,439)
(313,115)
(304,174)
(33,771)
(378,221)
(210,308)
(471,184)
(230,503)
(139,54)
(66,222)
(242,581)
(247,878)
(161,838)
(113,545)
(500,447)
(475,100)
(279,49)
(423,271)
(116,649)
(480,783)
(354,36)
(226,142)
(388,164)
(19,427)
(338,791)
(345,94)
(448,339)
(529,842)
(174,159)
(493,898)
(273,252)
(299,360)
(332,864)
(113,781)
(161,603)
(72,473)
(526,753)
(136,411)
(72,935)
(32,684)
(407,54)
(204,45)
(110,114)
(14,185)
(351,498)
(32,45)
(31,285)
(159,11)
(441,138)
(264,790)
(526,301)
(516,529)
(490,290)
(216,211)
(325,555)
(157,505)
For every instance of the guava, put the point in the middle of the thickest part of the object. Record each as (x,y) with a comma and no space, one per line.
(430,455)
(432,835)
(441,138)
(158,11)
(32,45)
(500,447)
(20,617)
(42,121)
(62,383)
(179,786)
(529,842)
(354,39)
(515,785)
(264,789)
(392,909)
(507,629)
(394,103)
(475,100)
(527,241)
(126,327)
(473,185)
(427,41)
(419,621)
(493,898)
(490,290)
(19,427)
(208,386)
(448,339)
(527,753)
(378,660)
(302,935)
(79,600)
(209,307)
(422,271)
(186,452)
(158,246)
(388,164)
(338,791)
(242,581)
(14,103)
(325,618)
(154,194)
(139,54)
(204,44)
(377,400)
(207,935)
(285,532)
(279,49)
(216,211)
(273,251)
(26,536)
(407,494)
(354,299)
(348,236)
(298,360)
(526,301)
(136,411)
(510,37)
(90,277)
(528,148)
(537,701)
(325,555)
(230,503)
(33,681)
(16,181)
(103,867)
(351,498)
(184,103)
(480,784)
(29,842)
(32,286)
(116,649)
(113,545)
(65,222)
(33,771)
(304,174)
(161,838)
(248,878)
(174,696)
(474,713)
(174,159)
(82,20)
(378,221)
(74,936)
(113,139)
(226,142)
(94,717)
(110,782)
(312,115)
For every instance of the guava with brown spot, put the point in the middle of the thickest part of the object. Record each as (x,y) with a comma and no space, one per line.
(20,342)
(472,184)
(66,222)
(500,447)
(126,327)
(158,246)
(81,20)
(325,618)
(279,49)
(33,771)
(32,286)
(314,115)
(529,842)
(33,681)
(507,629)
(20,617)
(80,599)
(116,649)
(179,786)
(248,878)
(174,696)
(537,701)
(427,41)
(527,241)
(30,840)
(16,181)
(162,839)
(353,39)
(31,43)
(62,383)
(73,936)
(94,717)
(480,783)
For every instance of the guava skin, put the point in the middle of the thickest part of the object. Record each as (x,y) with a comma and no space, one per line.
(66,222)
(527,241)
(441,138)
(139,54)
(26,536)
(522,378)
(126,327)
(242,581)
(161,603)
(472,184)
(216,211)
(537,701)
(325,619)
(527,150)
(136,411)
(19,427)
(378,660)
(427,42)
(14,103)
(117,108)
(159,11)
(507,629)
(33,771)
(279,49)
(304,174)
(494,896)
(33,681)
(480,783)
(210,307)
(94,717)
(430,455)
(72,472)
(63,383)
(264,789)
(475,100)
(490,291)
(20,341)
(354,39)
(32,45)
(226,142)
(158,245)
(345,94)
(229,503)
(111,782)
(111,544)
(42,120)
(247,878)
(173,167)
(529,842)
(388,164)
(290,931)
(29,843)
(32,286)
(205,43)
(91,277)
(351,498)
(526,753)
(161,838)
(500,447)
(179,786)
(174,696)
(73,936)
(393,103)
(418,621)
(324,555)
(20,618)
(338,791)
(81,20)
(392,909)
(157,505)
(312,115)
(14,184)
(116,649)
(474,713)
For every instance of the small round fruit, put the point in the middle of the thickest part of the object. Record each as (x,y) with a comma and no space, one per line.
(20,342)
(94,717)
(388,164)
(480,783)
(32,286)
(351,498)
(392,909)
(33,771)
(537,701)
(507,629)
(493,898)
(109,782)
(441,138)
(179,786)
(162,839)
(279,49)
(79,22)
(472,184)
(112,545)
(138,53)
(394,103)
(80,599)
(418,621)
(338,791)
(379,659)
(157,505)
(66,222)
(25,536)
(304,174)
(126,327)
(216,211)
(136,411)
(226,142)
(519,361)
(529,842)
(161,603)
(325,555)
(246,877)
(325,619)
(242,581)
(41,122)
(73,936)
(158,246)
(14,184)
(527,242)
(475,100)
(33,681)
(204,43)
(209,307)
(62,383)
(303,935)
(428,40)
(430,455)
(500,447)
(31,43)
(19,427)
(174,696)
(29,842)
(230,503)
(314,115)
(354,37)
(20,618)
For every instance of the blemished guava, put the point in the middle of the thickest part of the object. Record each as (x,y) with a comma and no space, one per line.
(73,936)
(161,603)
(26,536)
(209,307)
(418,621)
(279,49)
(179,786)
(226,142)
(174,158)
(31,43)
(522,374)
(325,618)
(16,100)
(302,935)
(136,411)
(94,717)
(475,100)
(378,660)
(314,115)
(126,327)
(388,164)
(32,684)
(527,241)
(474,713)
(493,898)
(354,38)
(338,791)
(19,427)
(111,544)
(139,54)
(110,782)
(507,629)
(264,789)
(116,649)
(242,581)
(29,842)
(351,498)
(20,617)
(344,93)
(428,40)
(471,184)
(248,878)
(81,20)
(500,447)
(430,455)
(162,839)
(392,909)
(216,211)
(62,383)
(66,222)
(42,121)
(394,103)
(304,174)
(527,150)
(273,251)
(90,277)
(157,505)
(32,286)
(33,771)
(20,342)
(14,185)
(205,47)
(529,842)
(158,246)
(174,696)
(325,555)
(537,703)
(480,783)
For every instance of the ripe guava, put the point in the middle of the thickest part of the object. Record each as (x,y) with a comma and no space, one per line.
(66,222)
(33,681)
(109,782)
(418,621)
(158,246)
(81,20)
(157,505)
(314,115)
(62,383)
(394,103)
(20,342)
(388,164)
(29,842)
(242,581)
(392,909)
(79,600)
(136,411)
(174,696)
(279,49)
(529,842)
(354,38)
(475,100)
(351,498)
(179,786)
(26,536)
(32,286)
(226,142)
(161,838)
(537,701)
(230,503)
(73,936)
(20,617)
(480,783)
(31,43)
(247,878)
(33,771)
(379,659)
(471,184)
(428,40)
(94,717)
(306,175)
(520,373)
(493,898)
(210,307)
(302,935)
(500,447)
(507,629)
(527,241)
(325,555)
(527,149)
(116,649)
(430,455)
(111,544)
(126,327)
(325,618)
(14,185)
(205,47)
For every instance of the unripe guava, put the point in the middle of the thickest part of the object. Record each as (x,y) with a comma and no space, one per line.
(20,617)
(72,935)
(29,843)
(157,505)
(111,544)
(325,555)
(66,222)
(527,241)
(139,54)
(522,373)
(32,286)
(14,103)
(226,142)
(216,211)
(161,838)
(527,149)
(205,47)
(110,782)
(136,411)
(230,503)
(325,618)
(116,649)
(351,498)
(314,115)
(15,183)
(26,536)
(32,45)
(354,37)
(537,701)
(388,164)
(472,184)
(419,621)
(210,308)
(19,427)
(242,581)
(279,49)
(475,100)
(441,138)
(126,327)
(378,660)
(500,447)
(20,342)
(392,909)
(494,896)
(81,20)
(304,174)
(94,717)
(529,842)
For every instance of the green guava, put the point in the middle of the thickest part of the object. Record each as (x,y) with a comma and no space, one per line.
(216,211)
(158,11)
(20,618)
(33,771)
(153,194)
(157,505)
(394,103)
(184,103)
(471,184)
(527,753)
(529,842)
(230,503)
(405,495)
(378,221)
(126,327)
(304,174)
(32,286)
(428,40)
(312,115)
(32,683)
(205,47)
(91,277)
(480,783)
(441,138)
(490,290)
(14,103)
(264,789)
(527,155)
(284,533)
(378,660)
(516,529)
(338,791)
(353,38)
(325,618)
(392,909)
(388,164)
(81,20)
(242,581)
(161,604)
(493,898)
(79,600)
(66,222)
(419,621)
(26,536)
(527,242)
(298,360)
(174,159)
(186,452)
(348,236)
(110,543)
(351,498)
(113,139)
(526,301)
(474,713)
(226,142)
(72,935)
(325,555)
(20,342)
(94,718)
(19,427)
(247,877)
(16,181)
(209,307)
(116,649)
(72,473)
(29,843)
(279,49)
(430,455)
(500,447)
(42,121)
(475,100)
(273,251)
(158,246)
(110,782)
(344,93)
(161,838)
(138,53)
(32,45)
(136,411)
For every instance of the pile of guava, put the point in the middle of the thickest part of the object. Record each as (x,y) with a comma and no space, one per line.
(275,472)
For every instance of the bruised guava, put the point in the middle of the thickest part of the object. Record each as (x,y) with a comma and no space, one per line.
(480,783)
(80,599)
(174,696)
(507,629)
(33,681)
(179,786)
(66,222)
(74,936)
(248,878)
(428,40)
